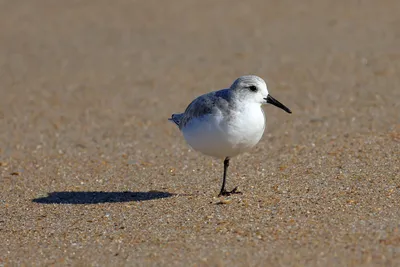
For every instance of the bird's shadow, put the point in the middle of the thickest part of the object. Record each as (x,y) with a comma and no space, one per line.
(98,197)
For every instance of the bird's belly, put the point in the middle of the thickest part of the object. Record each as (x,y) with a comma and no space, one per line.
(213,136)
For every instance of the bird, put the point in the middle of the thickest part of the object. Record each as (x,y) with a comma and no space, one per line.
(228,122)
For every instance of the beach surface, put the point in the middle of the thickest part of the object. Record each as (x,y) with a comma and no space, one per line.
(93,174)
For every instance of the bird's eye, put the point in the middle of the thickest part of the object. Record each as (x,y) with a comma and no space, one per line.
(253,88)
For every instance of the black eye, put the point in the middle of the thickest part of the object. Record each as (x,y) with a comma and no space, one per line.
(253,88)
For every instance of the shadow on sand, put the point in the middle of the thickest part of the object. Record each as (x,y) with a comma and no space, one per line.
(99,197)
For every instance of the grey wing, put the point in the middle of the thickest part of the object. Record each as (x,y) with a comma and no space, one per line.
(198,107)
(204,105)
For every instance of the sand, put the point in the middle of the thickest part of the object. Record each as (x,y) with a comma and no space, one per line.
(93,174)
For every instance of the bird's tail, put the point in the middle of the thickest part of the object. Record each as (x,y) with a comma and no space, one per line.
(176,118)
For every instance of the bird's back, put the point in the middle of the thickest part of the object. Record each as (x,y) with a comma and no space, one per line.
(203,105)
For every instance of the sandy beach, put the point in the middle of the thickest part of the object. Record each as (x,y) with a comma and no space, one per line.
(93,174)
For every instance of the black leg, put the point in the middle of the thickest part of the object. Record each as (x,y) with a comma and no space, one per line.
(223,192)
(226,165)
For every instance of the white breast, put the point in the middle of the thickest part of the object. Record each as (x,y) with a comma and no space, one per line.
(217,136)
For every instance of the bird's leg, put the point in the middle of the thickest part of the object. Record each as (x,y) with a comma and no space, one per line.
(226,165)
(223,191)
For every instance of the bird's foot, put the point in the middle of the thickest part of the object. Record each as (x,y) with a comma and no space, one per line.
(228,193)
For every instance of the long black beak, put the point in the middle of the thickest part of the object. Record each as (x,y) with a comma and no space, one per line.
(276,103)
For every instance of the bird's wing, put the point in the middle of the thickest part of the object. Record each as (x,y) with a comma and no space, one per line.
(204,105)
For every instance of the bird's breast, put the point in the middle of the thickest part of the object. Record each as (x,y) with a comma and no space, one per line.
(222,136)
(247,128)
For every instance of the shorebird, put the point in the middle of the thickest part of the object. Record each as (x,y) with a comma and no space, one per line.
(227,122)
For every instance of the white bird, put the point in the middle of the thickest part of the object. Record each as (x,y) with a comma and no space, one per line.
(228,122)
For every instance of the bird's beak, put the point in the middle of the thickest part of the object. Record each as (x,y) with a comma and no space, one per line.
(276,103)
